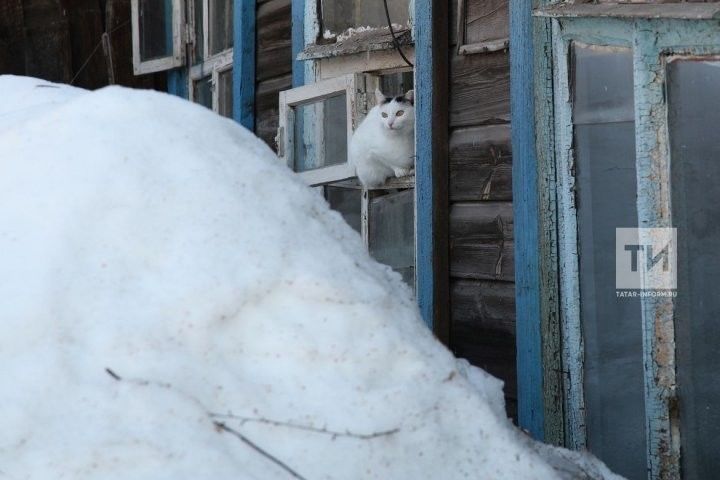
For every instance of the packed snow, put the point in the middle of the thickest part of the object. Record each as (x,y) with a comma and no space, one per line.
(177,304)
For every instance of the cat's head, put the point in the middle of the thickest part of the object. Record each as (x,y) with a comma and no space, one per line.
(396,113)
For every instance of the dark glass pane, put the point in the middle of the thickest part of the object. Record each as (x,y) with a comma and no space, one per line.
(602,93)
(202,92)
(221,25)
(347,202)
(694,116)
(320,147)
(155,29)
(392,232)
(606,200)
(339,15)
(199,31)
(225,94)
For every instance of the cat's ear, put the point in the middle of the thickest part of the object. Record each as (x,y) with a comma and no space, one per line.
(410,96)
(379,97)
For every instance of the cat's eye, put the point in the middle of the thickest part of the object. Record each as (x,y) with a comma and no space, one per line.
(384,115)
(400,113)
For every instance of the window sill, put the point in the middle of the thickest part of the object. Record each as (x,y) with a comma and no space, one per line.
(361,42)
(687,11)
(484,47)
(400,183)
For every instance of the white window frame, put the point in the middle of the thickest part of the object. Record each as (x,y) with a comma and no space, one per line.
(177,58)
(212,65)
(353,86)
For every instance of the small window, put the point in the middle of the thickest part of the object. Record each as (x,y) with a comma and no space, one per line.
(158,42)
(482,26)
(316,124)
(391,230)
(212,54)
(606,189)
(693,115)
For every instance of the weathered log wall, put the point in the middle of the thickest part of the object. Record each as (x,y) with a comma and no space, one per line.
(482,290)
(60,41)
(273,64)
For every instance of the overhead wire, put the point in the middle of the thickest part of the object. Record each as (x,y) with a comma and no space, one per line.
(396,42)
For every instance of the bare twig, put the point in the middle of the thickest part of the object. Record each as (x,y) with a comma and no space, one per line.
(258,449)
(267,421)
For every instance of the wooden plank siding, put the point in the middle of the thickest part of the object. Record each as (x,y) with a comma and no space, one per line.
(60,41)
(273,71)
(483,329)
(482,292)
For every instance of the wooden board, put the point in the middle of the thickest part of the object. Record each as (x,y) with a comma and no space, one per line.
(86,27)
(486,20)
(267,108)
(483,330)
(481,241)
(479,89)
(274,46)
(273,72)
(481,164)
(12,37)
(47,41)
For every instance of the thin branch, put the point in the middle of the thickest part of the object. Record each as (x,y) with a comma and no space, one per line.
(334,434)
(258,449)
(218,425)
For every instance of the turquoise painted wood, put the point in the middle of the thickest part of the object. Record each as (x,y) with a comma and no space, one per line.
(652,41)
(177,82)
(244,12)
(424,200)
(298,42)
(526,213)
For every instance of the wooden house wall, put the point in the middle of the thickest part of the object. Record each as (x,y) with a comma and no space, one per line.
(273,72)
(59,41)
(482,293)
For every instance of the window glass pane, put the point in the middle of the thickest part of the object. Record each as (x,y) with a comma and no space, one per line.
(225,93)
(155,21)
(694,116)
(606,200)
(199,30)
(394,84)
(603,96)
(339,15)
(347,202)
(324,141)
(392,232)
(221,25)
(202,92)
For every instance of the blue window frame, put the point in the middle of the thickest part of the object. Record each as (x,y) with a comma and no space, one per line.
(637,142)
(219,71)
(429,277)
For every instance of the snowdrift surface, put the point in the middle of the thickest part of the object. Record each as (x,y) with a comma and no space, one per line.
(177,305)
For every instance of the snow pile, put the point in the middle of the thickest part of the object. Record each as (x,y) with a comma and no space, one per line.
(176,304)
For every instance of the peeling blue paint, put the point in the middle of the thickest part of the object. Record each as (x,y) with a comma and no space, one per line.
(244,13)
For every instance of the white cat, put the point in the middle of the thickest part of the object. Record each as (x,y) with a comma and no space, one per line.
(384,143)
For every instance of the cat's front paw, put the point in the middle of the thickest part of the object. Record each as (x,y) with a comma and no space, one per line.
(402,172)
